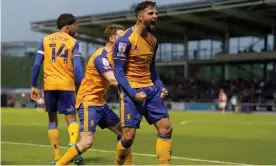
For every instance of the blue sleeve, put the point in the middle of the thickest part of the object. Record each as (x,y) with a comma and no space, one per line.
(120,56)
(77,49)
(41,48)
(154,76)
(78,69)
(102,64)
(77,63)
(39,57)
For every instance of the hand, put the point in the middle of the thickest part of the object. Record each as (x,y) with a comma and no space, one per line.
(140,97)
(164,93)
(35,94)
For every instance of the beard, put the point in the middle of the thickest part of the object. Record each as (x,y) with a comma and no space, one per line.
(73,34)
(150,28)
(150,25)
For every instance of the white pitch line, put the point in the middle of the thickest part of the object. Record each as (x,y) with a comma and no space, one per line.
(183,122)
(137,154)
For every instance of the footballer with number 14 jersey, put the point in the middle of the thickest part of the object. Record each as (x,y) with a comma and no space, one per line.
(60,54)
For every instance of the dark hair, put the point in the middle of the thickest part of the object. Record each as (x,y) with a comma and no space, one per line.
(65,19)
(143,5)
(111,30)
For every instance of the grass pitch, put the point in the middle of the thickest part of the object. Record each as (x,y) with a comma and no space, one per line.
(199,138)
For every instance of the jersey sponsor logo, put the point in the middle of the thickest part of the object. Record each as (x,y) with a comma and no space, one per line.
(139,59)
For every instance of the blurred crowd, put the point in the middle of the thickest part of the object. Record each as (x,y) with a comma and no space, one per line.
(192,90)
(186,90)
(247,91)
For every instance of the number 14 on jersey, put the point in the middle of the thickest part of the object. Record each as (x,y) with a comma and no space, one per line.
(57,54)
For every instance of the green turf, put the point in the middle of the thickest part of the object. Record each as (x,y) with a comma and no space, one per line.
(235,138)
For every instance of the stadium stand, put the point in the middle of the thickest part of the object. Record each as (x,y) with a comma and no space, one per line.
(203,46)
